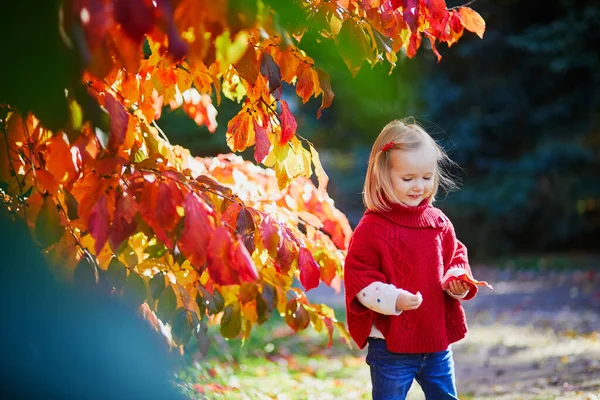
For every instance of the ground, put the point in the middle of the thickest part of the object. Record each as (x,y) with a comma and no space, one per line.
(537,336)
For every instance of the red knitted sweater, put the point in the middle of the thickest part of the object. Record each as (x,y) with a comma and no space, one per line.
(411,248)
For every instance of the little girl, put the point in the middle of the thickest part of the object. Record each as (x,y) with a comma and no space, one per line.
(401,253)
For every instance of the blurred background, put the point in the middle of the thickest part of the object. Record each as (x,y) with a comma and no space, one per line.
(519,111)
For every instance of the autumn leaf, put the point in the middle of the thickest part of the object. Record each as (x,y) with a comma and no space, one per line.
(263,145)
(119,118)
(196,232)
(124,224)
(472,21)
(296,316)
(288,123)
(48,229)
(270,234)
(238,130)
(99,223)
(248,66)
(270,70)
(305,86)
(328,94)
(309,269)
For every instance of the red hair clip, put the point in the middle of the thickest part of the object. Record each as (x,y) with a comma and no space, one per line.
(388,146)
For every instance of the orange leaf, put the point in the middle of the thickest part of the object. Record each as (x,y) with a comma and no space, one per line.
(467,279)
(196,231)
(472,21)
(309,269)
(248,66)
(288,123)
(305,87)
(328,94)
(238,131)
(60,160)
(288,65)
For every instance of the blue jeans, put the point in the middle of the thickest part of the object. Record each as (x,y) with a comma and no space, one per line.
(392,374)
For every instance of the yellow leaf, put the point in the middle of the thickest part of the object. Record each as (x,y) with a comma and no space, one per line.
(319,171)
(228,51)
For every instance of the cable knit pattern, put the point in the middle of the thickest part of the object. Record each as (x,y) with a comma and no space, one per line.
(410,248)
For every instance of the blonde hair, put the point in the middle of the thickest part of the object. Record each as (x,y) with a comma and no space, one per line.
(405,136)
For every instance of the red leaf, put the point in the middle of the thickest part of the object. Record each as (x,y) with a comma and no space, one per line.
(288,123)
(124,224)
(413,44)
(218,252)
(410,11)
(196,231)
(119,118)
(242,263)
(287,252)
(99,222)
(261,149)
(438,15)
(309,269)
(137,17)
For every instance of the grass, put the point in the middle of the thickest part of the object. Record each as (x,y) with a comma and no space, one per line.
(277,363)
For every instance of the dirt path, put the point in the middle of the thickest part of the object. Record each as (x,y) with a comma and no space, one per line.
(537,336)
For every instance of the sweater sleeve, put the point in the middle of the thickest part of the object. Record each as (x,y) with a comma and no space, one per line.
(362,266)
(456,256)
(380,297)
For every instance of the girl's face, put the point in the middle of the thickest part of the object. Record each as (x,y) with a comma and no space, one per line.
(413,174)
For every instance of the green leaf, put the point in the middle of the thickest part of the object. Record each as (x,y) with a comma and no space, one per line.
(213,302)
(85,275)
(116,274)
(158,283)
(201,305)
(48,229)
(167,304)
(156,251)
(231,322)
(201,335)
(180,328)
(134,292)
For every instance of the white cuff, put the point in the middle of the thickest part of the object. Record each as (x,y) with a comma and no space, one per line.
(457,296)
(380,297)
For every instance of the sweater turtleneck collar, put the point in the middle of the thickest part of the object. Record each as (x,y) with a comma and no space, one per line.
(421,216)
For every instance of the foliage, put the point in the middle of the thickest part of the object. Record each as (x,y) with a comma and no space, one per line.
(117,208)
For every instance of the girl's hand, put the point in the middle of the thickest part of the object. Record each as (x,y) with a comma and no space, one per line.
(408,301)
(458,288)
